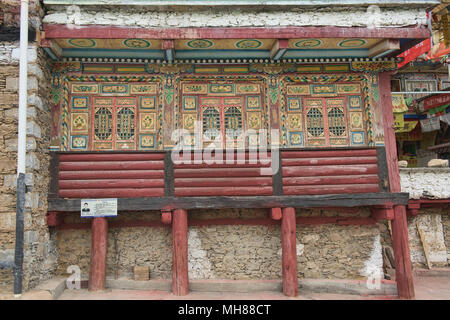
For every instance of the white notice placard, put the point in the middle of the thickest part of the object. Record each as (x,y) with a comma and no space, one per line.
(94,208)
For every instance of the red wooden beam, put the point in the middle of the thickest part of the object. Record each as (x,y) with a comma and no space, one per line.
(276,214)
(224,221)
(289,252)
(166,217)
(108,174)
(413,209)
(382,213)
(111,193)
(99,245)
(403,267)
(54,219)
(54,31)
(180,278)
(110,157)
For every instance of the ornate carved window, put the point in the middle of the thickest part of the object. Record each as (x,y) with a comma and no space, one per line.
(125,124)
(103,123)
(314,122)
(336,121)
(211,123)
(233,122)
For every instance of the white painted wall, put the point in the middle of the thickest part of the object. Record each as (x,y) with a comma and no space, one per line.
(336,16)
(431,183)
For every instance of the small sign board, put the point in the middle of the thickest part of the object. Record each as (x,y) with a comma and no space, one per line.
(95,208)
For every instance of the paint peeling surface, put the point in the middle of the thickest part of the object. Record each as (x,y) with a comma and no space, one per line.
(233,17)
(432,183)
(432,225)
(241,2)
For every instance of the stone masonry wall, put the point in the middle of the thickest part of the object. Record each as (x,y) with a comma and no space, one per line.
(39,249)
(434,224)
(428,183)
(230,251)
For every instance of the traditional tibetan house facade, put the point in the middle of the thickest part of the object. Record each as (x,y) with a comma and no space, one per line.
(304,104)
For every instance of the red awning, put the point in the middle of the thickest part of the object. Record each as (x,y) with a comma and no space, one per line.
(415,52)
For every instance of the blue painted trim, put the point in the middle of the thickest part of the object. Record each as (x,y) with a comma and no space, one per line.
(106,53)
(326,53)
(222,54)
(51,54)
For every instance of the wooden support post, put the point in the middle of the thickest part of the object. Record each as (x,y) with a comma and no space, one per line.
(166,216)
(400,242)
(275,214)
(99,245)
(289,252)
(180,279)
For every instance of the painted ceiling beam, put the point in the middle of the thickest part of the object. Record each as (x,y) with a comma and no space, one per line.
(58,31)
(279,49)
(384,47)
(296,3)
(169,50)
(51,48)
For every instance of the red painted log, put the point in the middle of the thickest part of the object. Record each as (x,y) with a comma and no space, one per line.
(180,279)
(209,173)
(222,165)
(400,242)
(99,245)
(111,193)
(126,174)
(166,217)
(382,213)
(232,155)
(111,165)
(289,252)
(119,32)
(222,191)
(276,214)
(119,183)
(328,161)
(331,189)
(330,170)
(352,179)
(311,221)
(329,153)
(222,182)
(54,219)
(110,157)
(334,220)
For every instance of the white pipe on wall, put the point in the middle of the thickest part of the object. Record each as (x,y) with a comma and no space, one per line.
(23,75)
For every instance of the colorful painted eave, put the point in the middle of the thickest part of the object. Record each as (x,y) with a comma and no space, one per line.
(241,2)
(170,44)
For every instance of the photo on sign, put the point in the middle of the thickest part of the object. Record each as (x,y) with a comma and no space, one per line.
(95,208)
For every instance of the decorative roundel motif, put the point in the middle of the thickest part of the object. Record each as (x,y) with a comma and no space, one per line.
(136,43)
(82,43)
(352,43)
(200,44)
(308,43)
(248,44)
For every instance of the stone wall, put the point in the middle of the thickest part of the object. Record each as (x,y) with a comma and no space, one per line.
(433,183)
(434,224)
(230,251)
(39,250)
(236,17)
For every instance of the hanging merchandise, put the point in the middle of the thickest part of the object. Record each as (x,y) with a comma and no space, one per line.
(399,121)
(407,127)
(430,124)
(399,103)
